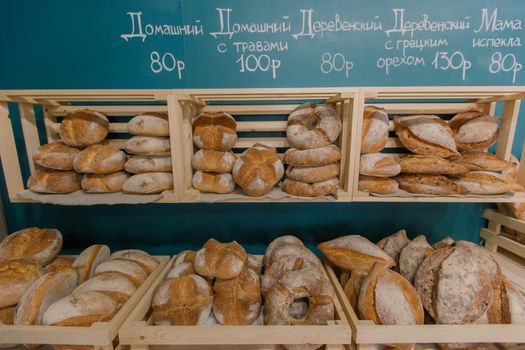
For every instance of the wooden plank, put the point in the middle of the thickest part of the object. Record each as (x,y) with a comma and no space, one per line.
(360,196)
(30,130)
(176,123)
(506,97)
(509,120)
(111,111)
(262,126)
(425,108)
(521,169)
(496,216)
(355,141)
(268,141)
(346,135)
(251,109)
(500,241)
(188,147)
(49,122)
(514,272)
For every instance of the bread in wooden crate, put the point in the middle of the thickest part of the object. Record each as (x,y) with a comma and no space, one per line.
(375,130)
(40,245)
(84,128)
(55,155)
(16,276)
(149,124)
(214,131)
(99,159)
(54,181)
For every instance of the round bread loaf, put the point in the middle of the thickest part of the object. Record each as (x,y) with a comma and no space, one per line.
(111,284)
(60,263)
(311,126)
(375,130)
(313,174)
(55,155)
(430,165)
(214,131)
(16,276)
(303,189)
(149,146)
(282,240)
(40,245)
(258,170)
(80,309)
(148,164)
(146,261)
(149,124)
(312,157)
(286,263)
(148,183)
(381,185)
(428,184)
(99,159)
(104,183)
(83,128)
(54,181)
(206,181)
(185,300)
(89,259)
(379,164)
(237,301)
(127,268)
(474,130)
(216,161)
(221,260)
(485,182)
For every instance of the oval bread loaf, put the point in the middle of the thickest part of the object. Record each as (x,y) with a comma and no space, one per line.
(40,245)
(149,146)
(303,189)
(485,182)
(216,161)
(430,165)
(146,261)
(89,259)
(474,130)
(127,268)
(214,131)
(429,184)
(479,160)
(104,183)
(99,159)
(55,155)
(312,157)
(148,183)
(381,185)
(54,181)
(60,263)
(206,181)
(149,124)
(313,174)
(83,128)
(393,244)
(16,276)
(412,255)
(379,165)
(112,284)
(148,164)
(375,130)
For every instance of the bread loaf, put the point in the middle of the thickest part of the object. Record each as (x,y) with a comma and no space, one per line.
(60,263)
(426,135)
(430,165)
(40,245)
(412,255)
(104,183)
(83,128)
(206,181)
(429,184)
(149,124)
(220,260)
(112,284)
(375,130)
(89,259)
(148,164)
(478,160)
(303,189)
(185,300)
(16,276)
(99,159)
(254,262)
(354,253)
(216,161)
(445,242)
(127,268)
(81,310)
(312,157)
(353,285)
(381,185)
(379,165)
(474,130)
(148,146)
(258,170)
(184,256)
(148,183)
(214,131)
(7,315)
(55,155)
(237,301)
(484,182)
(292,251)
(313,174)
(53,181)
(274,272)
(182,269)
(393,244)
(146,261)
(279,241)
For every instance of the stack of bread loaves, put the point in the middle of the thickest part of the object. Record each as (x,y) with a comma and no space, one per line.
(313,160)
(437,167)
(150,151)
(394,281)
(215,135)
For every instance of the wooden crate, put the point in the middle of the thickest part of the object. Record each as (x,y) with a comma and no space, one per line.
(101,335)
(256,105)
(495,240)
(138,332)
(445,102)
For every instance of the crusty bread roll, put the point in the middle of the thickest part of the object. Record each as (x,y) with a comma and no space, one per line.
(313,125)
(185,256)
(221,260)
(149,124)
(412,255)
(206,181)
(148,183)
(393,244)
(429,184)
(274,272)
(484,182)
(214,131)
(148,164)
(355,252)
(149,146)
(40,245)
(313,174)
(104,183)
(375,130)
(55,155)
(146,261)
(237,301)
(7,315)
(381,185)
(282,240)
(83,128)
(127,268)
(60,263)
(99,159)
(216,161)
(474,130)
(54,181)
(426,135)
(44,292)
(111,284)
(479,160)
(258,170)
(379,165)
(303,189)
(430,165)
(185,300)
(81,310)
(312,157)
(182,269)
(16,276)
(89,259)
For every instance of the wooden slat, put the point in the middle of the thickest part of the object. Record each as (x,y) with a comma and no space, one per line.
(261,126)
(514,272)
(515,224)
(360,196)
(509,120)
(116,111)
(251,109)
(425,108)
(500,241)
(30,130)
(49,122)
(177,145)
(521,169)
(355,142)
(268,141)
(507,97)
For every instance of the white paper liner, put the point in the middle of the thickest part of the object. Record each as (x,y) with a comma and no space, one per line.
(405,194)
(275,194)
(82,198)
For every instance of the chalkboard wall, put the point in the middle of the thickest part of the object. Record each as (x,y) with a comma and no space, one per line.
(196,44)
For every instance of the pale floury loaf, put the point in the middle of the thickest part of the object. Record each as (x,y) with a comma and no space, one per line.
(149,124)
(99,159)
(148,183)
(474,130)
(149,146)
(379,165)
(375,130)
(147,164)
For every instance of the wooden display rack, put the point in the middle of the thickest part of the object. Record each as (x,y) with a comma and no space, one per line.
(138,332)
(101,335)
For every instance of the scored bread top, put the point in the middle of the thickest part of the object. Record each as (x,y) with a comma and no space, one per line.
(146,261)
(89,259)
(221,260)
(375,130)
(129,269)
(41,245)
